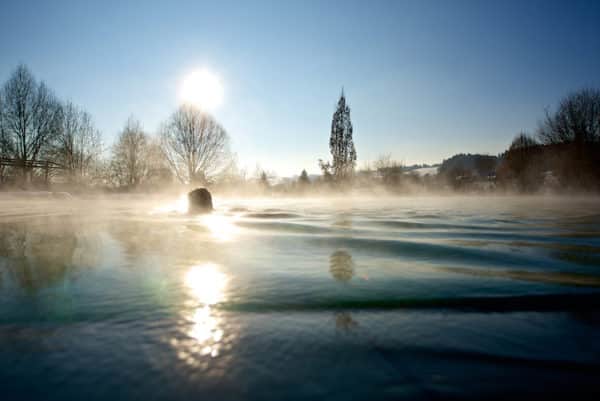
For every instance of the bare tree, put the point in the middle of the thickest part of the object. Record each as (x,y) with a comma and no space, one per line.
(130,162)
(389,170)
(523,141)
(78,143)
(327,170)
(195,145)
(30,115)
(573,131)
(231,174)
(577,120)
(159,171)
(6,149)
(522,164)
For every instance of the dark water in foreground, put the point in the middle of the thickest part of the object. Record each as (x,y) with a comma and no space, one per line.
(413,298)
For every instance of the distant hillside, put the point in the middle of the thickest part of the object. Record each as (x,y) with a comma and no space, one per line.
(420,166)
(473,165)
(423,171)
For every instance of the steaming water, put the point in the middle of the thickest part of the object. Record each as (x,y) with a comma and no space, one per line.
(414,298)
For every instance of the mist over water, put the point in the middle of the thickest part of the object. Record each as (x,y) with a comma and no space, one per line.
(134,298)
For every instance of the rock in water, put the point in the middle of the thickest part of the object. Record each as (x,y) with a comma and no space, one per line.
(200,201)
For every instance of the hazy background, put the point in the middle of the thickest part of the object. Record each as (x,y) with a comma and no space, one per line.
(425,80)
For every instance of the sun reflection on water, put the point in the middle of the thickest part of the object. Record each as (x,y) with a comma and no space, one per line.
(203,328)
(179,206)
(220,227)
(206,283)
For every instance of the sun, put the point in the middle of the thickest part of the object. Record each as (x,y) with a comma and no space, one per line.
(203,89)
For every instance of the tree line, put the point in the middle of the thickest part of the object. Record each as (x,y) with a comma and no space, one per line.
(191,147)
(562,155)
(564,152)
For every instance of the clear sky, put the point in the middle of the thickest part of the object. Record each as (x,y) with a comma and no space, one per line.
(424,79)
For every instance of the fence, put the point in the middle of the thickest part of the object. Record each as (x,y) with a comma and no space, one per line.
(45,165)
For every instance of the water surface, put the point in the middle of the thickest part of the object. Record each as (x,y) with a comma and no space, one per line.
(405,298)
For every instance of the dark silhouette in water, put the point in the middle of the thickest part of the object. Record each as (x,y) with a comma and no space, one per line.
(200,201)
(344,321)
(42,252)
(341,266)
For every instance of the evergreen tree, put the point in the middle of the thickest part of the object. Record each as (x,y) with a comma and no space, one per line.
(341,143)
(303,179)
(264,179)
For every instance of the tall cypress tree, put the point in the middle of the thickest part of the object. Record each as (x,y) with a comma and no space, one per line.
(341,143)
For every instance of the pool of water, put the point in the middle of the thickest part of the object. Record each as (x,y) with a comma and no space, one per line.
(279,299)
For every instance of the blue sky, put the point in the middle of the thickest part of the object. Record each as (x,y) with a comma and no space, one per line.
(424,79)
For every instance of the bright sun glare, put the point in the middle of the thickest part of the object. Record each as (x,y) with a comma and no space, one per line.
(206,283)
(203,89)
